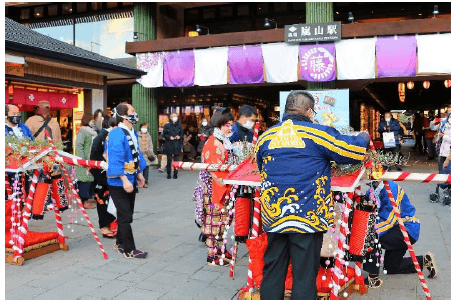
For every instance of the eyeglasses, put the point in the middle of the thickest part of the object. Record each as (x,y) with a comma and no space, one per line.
(315,113)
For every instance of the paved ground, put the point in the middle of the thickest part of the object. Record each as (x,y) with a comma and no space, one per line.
(176,268)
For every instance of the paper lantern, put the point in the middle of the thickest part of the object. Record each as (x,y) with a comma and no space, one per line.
(193,34)
(426,84)
(401,87)
(410,85)
(448,83)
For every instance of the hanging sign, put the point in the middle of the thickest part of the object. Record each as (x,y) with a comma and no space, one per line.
(313,32)
(14,69)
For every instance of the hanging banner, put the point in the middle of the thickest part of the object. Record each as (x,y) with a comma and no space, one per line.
(317,62)
(179,69)
(396,56)
(331,106)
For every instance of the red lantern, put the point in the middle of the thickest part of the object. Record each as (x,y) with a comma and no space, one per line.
(448,83)
(401,87)
(410,85)
(426,84)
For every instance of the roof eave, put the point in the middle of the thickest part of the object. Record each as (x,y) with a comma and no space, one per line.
(18,47)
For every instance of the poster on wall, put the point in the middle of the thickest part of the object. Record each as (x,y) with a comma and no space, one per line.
(331,106)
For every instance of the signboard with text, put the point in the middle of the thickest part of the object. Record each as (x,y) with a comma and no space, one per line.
(313,32)
(331,106)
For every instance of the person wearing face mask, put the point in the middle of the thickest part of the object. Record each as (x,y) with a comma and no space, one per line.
(124,176)
(205,131)
(445,148)
(210,196)
(294,159)
(146,146)
(430,130)
(173,134)
(13,125)
(391,125)
(243,129)
(43,121)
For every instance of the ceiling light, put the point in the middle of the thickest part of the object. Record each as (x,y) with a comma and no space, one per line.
(435,12)
(350,17)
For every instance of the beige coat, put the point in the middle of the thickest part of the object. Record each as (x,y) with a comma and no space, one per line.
(35,122)
(146,146)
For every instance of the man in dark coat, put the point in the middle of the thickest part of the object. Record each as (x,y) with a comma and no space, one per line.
(391,125)
(173,133)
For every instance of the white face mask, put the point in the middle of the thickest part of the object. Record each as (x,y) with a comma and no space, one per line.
(174,119)
(388,119)
(204,123)
(249,125)
(144,130)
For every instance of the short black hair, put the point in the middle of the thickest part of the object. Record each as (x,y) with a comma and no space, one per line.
(431,111)
(112,122)
(97,113)
(247,111)
(223,119)
(299,101)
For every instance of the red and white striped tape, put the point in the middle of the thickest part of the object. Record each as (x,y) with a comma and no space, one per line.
(417,177)
(61,233)
(203,167)
(407,241)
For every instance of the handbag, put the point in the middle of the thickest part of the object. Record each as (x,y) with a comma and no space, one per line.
(388,140)
(150,155)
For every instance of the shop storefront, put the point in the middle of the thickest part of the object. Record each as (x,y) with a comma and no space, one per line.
(72,80)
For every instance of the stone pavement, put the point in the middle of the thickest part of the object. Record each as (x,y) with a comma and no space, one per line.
(176,266)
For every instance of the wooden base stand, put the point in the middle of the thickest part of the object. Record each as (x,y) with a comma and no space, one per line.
(33,253)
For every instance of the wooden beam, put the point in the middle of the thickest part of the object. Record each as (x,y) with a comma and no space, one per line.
(415,26)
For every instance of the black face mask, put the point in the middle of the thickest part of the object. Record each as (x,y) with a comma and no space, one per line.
(14,119)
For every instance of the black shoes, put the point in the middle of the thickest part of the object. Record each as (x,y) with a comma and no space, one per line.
(429,263)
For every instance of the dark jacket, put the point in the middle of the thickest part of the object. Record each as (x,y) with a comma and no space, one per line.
(240,133)
(207,130)
(394,127)
(96,153)
(294,161)
(172,147)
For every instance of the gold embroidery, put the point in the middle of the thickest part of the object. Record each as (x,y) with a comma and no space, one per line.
(129,168)
(286,137)
(322,208)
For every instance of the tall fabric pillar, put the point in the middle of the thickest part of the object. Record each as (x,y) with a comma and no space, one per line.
(319,12)
(144,99)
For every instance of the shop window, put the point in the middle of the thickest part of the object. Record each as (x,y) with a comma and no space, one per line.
(67,8)
(226,11)
(52,10)
(112,4)
(280,7)
(38,12)
(25,13)
(262,9)
(81,7)
(192,15)
(209,13)
(243,10)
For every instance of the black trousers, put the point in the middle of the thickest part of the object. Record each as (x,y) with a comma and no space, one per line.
(124,202)
(418,143)
(146,174)
(169,163)
(395,249)
(303,249)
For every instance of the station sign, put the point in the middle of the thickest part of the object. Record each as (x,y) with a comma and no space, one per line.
(313,32)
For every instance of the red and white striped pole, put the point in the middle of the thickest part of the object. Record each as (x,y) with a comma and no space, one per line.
(416,177)
(61,233)
(8,188)
(254,234)
(407,241)
(79,202)
(203,167)
(255,136)
(82,162)
(23,229)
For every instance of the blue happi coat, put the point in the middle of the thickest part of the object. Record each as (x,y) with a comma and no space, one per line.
(386,217)
(119,158)
(294,162)
(25,130)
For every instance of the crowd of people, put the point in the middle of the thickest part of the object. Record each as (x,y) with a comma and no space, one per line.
(294,159)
